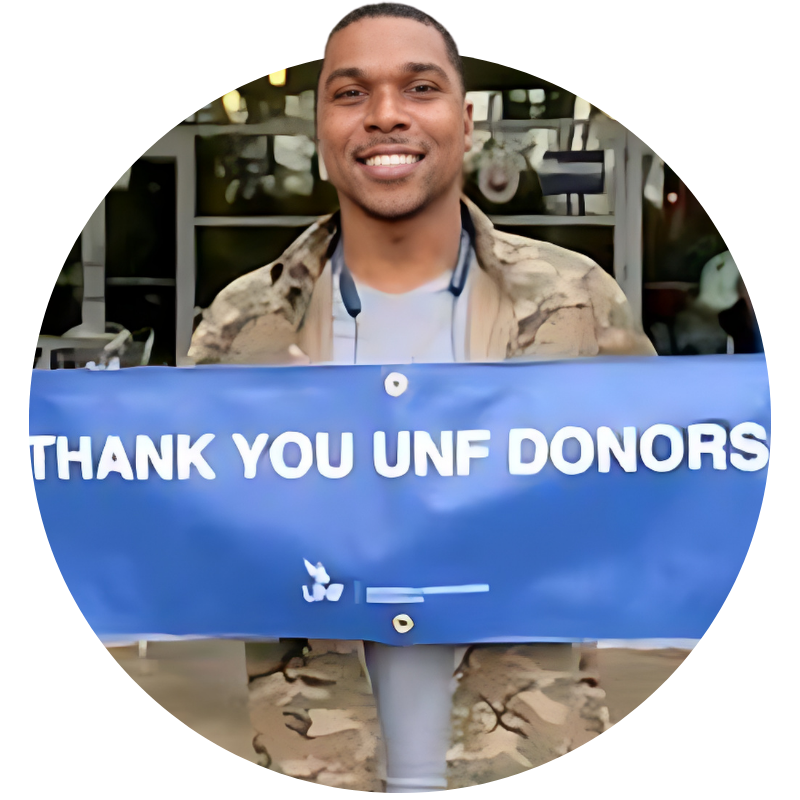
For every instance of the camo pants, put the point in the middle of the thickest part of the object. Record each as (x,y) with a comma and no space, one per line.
(514,707)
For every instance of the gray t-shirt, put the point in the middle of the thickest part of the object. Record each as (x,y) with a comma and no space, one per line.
(425,325)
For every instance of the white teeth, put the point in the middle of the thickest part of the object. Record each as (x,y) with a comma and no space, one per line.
(397,158)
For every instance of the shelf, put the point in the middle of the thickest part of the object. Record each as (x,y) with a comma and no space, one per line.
(140,281)
(523,124)
(277,126)
(551,219)
(288,126)
(50,342)
(497,219)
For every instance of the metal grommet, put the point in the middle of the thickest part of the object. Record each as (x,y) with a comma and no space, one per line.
(395,384)
(403,623)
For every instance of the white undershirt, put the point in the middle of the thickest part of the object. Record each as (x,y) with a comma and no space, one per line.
(425,325)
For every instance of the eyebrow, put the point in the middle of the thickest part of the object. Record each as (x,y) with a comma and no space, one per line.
(344,72)
(414,67)
(410,68)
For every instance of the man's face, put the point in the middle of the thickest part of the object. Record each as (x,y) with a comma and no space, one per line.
(388,93)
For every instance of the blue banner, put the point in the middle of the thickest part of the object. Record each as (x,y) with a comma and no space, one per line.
(582,499)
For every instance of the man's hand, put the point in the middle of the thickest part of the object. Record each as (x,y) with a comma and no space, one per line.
(111,365)
(623,342)
(297,358)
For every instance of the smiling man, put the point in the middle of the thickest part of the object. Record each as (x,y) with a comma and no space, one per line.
(405,243)
(393,126)
(409,271)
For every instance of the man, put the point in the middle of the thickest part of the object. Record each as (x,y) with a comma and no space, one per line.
(408,270)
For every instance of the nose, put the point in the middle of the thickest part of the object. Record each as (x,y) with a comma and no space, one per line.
(386,112)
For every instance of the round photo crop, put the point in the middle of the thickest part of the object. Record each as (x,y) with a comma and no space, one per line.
(518,491)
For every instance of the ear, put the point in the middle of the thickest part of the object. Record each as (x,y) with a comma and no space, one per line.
(323,172)
(469,125)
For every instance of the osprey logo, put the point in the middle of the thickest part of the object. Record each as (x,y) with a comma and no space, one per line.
(322,588)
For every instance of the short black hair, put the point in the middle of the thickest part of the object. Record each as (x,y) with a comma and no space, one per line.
(401,11)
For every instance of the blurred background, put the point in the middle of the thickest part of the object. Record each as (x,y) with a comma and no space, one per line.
(227,190)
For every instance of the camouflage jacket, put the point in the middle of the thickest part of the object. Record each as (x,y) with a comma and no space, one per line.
(528,299)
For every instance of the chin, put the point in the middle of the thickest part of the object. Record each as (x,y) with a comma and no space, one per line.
(393,208)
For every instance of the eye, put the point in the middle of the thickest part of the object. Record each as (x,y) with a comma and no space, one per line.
(423,88)
(348,93)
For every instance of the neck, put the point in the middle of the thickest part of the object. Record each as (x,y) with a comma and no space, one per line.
(397,256)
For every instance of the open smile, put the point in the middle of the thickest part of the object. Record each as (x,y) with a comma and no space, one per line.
(390,160)
(390,165)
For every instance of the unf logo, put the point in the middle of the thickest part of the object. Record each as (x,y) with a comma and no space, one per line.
(322,588)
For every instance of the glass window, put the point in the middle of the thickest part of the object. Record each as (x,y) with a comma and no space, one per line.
(225,253)
(263,175)
(694,300)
